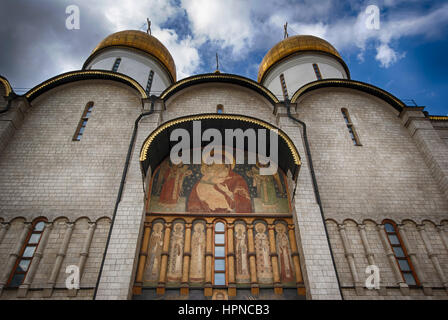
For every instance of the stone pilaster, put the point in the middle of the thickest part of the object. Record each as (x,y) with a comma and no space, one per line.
(48,291)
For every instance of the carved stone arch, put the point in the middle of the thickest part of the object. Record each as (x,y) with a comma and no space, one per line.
(82,218)
(350,221)
(99,219)
(369,221)
(429,222)
(408,221)
(332,221)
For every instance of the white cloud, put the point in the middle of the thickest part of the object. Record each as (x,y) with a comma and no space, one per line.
(225,22)
(184,52)
(387,56)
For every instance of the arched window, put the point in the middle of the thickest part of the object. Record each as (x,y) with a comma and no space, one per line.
(83,122)
(284,88)
(149,83)
(404,263)
(317,71)
(219,108)
(26,254)
(219,278)
(351,128)
(116,65)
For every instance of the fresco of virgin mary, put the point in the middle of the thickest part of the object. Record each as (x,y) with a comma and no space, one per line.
(220,189)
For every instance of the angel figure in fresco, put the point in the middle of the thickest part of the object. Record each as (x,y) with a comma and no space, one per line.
(265,186)
(284,254)
(172,183)
(220,189)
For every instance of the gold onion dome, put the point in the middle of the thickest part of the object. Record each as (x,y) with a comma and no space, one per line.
(293,45)
(141,41)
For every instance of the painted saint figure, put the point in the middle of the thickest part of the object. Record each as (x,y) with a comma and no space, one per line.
(265,186)
(155,249)
(242,266)
(284,253)
(172,184)
(197,265)
(264,267)
(176,253)
(220,189)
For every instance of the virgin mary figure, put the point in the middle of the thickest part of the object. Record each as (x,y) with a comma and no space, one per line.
(220,189)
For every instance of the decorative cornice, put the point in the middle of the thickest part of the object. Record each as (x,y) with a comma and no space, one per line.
(83,75)
(218,77)
(7,86)
(438,118)
(352,84)
(155,133)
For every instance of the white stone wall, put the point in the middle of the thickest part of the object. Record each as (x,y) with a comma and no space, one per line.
(44,173)
(388,177)
(204,98)
(442,129)
(51,250)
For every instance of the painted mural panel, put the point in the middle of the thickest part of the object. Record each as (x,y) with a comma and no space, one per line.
(241,254)
(217,188)
(197,266)
(152,268)
(176,253)
(264,266)
(284,253)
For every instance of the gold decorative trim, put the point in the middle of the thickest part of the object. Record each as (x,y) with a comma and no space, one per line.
(218,76)
(350,83)
(134,83)
(440,118)
(6,85)
(155,133)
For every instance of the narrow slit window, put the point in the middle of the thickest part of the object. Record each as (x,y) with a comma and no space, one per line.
(400,253)
(149,83)
(83,122)
(351,128)
(116,64)
(284,88)
(219,108)
(219,269)
(317,71)
(26,255)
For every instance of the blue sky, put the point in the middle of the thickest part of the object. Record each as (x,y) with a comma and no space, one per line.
(406,56)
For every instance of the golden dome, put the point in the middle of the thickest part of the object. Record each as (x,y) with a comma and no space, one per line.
(142,41)
(293,45)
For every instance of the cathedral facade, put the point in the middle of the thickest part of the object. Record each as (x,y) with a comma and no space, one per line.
(92,205)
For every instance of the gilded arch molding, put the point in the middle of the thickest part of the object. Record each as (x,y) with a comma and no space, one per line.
(83,75)
(291,160)
(220,78)
(357,85)
(6,84)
